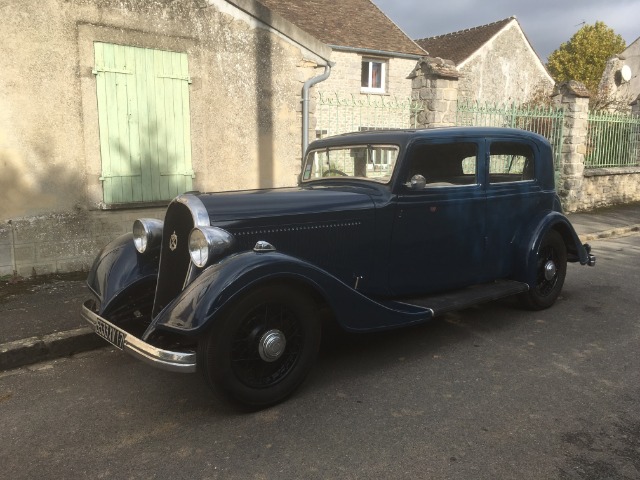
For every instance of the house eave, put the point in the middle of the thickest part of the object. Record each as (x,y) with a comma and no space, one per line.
(382,53)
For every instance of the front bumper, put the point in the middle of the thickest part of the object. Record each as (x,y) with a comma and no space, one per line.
(184,362)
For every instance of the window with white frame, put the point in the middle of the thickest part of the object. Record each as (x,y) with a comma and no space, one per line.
(374,74)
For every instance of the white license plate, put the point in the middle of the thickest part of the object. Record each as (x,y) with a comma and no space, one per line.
(111,334)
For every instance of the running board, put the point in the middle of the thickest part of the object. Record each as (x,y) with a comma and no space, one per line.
(467,297)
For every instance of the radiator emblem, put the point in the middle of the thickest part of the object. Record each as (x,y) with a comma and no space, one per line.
(173,241)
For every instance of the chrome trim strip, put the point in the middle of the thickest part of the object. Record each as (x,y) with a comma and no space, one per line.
(183,362)
(200,219)
(198,210)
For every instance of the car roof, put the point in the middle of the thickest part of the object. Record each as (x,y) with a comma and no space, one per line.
(403,136)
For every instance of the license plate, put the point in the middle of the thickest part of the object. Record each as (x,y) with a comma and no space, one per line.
(111,334)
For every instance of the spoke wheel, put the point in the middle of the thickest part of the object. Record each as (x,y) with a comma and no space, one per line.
(262,349)
(550,271)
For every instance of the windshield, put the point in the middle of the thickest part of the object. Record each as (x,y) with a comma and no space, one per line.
(373,162)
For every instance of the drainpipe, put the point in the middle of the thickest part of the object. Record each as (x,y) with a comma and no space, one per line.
(305,103)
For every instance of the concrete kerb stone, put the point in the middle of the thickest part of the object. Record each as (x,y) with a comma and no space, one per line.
(614,232)
(48,347)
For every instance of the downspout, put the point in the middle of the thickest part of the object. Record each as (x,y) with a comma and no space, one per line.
(305,103)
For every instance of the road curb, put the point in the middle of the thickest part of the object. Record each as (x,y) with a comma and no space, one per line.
(48,347)
(614,232)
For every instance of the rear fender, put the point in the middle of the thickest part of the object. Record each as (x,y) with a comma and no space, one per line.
(219,285)
(528,245)
(119,267)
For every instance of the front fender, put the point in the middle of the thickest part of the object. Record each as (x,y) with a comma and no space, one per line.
(118,267)
(202,301)
(529,244)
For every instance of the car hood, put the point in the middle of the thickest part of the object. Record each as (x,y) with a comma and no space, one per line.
(332,228)
(233,209)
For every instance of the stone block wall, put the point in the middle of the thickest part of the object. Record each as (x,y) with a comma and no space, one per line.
(504,70)
(435,86)
(609,186)
(346,75)
(63,242)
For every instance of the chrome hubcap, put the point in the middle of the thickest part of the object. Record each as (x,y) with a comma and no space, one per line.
(272,345)
(550,270)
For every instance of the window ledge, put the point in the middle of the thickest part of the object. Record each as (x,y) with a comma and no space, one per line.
(370,91)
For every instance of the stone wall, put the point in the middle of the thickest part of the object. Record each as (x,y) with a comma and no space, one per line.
(609,186)
(504,70)
(62,242)
(346,75)
(247,68)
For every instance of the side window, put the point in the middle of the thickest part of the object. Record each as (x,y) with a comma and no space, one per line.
(373,75)
(442,165)
(510,162)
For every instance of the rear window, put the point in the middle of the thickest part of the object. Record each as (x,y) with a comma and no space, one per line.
(510,162)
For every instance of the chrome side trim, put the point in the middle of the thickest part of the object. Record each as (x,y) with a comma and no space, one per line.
(183,362)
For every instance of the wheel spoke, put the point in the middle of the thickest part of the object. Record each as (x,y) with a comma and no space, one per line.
(250,367)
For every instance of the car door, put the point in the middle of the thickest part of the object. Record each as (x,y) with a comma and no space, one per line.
(514,196)
(438,231)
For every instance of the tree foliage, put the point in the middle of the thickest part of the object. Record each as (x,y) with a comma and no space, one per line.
(585,55)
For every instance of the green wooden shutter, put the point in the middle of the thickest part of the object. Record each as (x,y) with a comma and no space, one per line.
(144,120)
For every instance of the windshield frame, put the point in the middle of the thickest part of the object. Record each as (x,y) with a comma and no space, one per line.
(372,148)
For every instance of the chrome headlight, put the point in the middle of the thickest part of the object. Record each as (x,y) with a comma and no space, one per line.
(147,233)
(207,244)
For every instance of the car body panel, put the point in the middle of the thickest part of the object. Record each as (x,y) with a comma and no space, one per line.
(361,247)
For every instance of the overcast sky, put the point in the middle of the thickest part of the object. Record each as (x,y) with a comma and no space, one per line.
(547,23)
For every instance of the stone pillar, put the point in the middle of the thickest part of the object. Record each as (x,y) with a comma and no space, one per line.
(435,87)
(635,106)
(573,97)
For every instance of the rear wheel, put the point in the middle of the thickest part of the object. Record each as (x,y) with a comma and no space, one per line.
(262,349)
(550,271)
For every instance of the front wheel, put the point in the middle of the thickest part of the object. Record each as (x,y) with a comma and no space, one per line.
(263,347)
(550,271)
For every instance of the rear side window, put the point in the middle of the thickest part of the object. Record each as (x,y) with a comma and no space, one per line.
(510,162)
(443,165)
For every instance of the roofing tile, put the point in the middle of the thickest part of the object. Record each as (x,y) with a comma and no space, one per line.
(458,46)
(346,23)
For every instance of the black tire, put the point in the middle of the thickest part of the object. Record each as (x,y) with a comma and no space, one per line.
(550,271)
(242,357)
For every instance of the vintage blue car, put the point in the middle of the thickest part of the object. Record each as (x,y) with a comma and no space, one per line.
(385,229)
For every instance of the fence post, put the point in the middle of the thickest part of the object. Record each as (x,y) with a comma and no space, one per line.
(573,97)
(435,88)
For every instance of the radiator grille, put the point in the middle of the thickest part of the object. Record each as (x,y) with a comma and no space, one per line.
(174,254)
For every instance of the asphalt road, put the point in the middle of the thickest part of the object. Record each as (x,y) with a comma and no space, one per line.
(492,392)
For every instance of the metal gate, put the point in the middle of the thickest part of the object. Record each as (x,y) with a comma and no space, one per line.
(336,113)
(547,121)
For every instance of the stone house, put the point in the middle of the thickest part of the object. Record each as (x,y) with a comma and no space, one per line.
(620,82)
(373,56)
(496,62)
(109,109)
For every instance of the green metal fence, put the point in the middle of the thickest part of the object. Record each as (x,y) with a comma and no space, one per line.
(613,140)
(338,113)
(547,121)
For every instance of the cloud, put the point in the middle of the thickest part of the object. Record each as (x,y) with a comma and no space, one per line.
(547,23)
